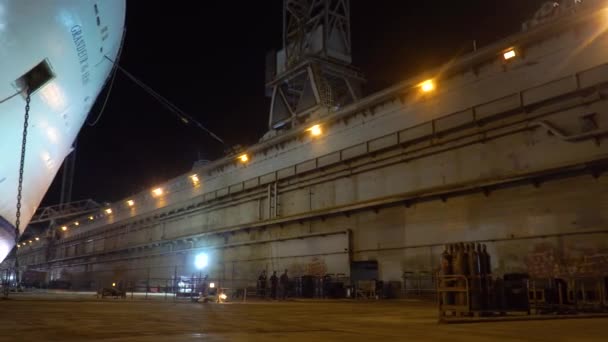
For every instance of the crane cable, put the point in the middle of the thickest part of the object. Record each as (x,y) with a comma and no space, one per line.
(173,108)
(113,77)
(105,101)
(9,97)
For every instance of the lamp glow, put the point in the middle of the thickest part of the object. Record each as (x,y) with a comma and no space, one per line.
(244,158)
(212,285)
(109,211)
(91,218)
(130,203)
(157,192)
(509,54)
(427,86)
(223,296)
(315,130)
(201,261)
(64,228)
(77,223)
(37,238)
(195,179)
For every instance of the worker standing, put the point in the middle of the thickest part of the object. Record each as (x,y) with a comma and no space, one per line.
(326,285)
(283,285)
(204,284)
(274,281)
(262,284)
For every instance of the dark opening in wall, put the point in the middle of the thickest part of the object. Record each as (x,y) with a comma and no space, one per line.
(35,78)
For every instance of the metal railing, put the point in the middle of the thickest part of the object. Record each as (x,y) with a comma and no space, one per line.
(571,294)
(419,284)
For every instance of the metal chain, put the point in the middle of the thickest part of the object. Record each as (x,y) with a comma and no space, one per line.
(21,169)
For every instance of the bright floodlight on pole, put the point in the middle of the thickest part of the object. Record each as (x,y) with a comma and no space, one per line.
(201,261)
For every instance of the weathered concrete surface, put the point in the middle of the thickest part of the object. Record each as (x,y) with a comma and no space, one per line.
(37,319)
(512,155)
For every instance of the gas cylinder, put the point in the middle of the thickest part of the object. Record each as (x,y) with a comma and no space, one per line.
(474,279)
(459,268)
(465,258)
(488,259)
(446,269)
(480,260)
(473,260)
(457,260)
(488,300)
(446,261)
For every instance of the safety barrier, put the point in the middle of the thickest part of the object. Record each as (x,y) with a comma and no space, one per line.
(569,294)
(420,285)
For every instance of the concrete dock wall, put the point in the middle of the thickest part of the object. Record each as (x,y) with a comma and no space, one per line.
(512,155)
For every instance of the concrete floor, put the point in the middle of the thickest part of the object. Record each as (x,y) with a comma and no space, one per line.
(46,318)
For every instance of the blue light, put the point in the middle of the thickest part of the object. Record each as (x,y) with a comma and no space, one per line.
(201,261)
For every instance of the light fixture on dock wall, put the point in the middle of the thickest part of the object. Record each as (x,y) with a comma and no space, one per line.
(427,86)
(509,54)
(201,261)
(315,130)
(195,180)
(64,228)
(109,211)
(130,203)
(157,192)
(243,158)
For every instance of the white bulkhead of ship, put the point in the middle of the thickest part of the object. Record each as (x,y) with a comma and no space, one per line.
(56,48)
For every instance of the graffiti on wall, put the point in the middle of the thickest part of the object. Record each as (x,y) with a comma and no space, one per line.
(315,266)
(549,261)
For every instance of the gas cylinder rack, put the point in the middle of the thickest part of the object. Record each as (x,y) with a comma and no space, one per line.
(466,287)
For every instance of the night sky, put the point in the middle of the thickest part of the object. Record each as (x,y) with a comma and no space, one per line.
(138,143)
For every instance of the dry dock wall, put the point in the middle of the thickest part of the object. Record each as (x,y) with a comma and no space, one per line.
(512,155)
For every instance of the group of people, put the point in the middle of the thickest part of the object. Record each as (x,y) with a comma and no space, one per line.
(278,285)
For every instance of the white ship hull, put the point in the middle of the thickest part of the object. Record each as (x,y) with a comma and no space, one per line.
(70,38)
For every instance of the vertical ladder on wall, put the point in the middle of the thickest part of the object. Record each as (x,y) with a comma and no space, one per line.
(273,201)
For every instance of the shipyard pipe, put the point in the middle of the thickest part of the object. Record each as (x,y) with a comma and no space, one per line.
(276,198)
(269,196)
(572,137)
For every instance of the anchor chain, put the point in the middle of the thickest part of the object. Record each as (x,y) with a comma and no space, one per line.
(21,170)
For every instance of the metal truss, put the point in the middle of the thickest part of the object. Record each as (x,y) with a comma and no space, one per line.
(61,211)
(313,75)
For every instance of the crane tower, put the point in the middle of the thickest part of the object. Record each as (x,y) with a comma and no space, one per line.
(312,76)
